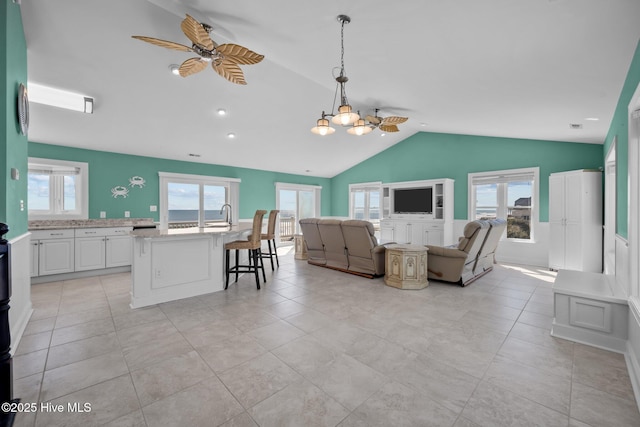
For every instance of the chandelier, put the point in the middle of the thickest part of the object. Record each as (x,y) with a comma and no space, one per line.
(345,115)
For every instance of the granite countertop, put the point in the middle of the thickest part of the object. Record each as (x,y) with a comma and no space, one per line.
(55,224)
(192,231)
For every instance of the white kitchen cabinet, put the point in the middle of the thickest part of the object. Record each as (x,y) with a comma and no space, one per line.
(52,252)
(98,248)
(117,251)
(90,253)
(575,220)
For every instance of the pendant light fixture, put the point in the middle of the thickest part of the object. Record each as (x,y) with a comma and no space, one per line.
(345,115)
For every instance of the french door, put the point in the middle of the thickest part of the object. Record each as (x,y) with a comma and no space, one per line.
(295,202)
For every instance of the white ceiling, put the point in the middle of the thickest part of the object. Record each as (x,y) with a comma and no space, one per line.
(519,69)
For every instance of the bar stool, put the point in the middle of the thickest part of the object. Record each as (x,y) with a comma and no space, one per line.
(270,236)
(253,246)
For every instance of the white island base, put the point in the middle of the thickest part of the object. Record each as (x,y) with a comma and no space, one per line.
(168,265)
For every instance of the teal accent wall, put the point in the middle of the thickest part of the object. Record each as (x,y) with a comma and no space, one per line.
(620,128)
(13,145)
(437,155)
(108,170)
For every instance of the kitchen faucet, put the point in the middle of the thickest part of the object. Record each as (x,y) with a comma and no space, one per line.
(229,217)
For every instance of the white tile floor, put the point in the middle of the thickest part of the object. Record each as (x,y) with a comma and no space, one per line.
(316,347)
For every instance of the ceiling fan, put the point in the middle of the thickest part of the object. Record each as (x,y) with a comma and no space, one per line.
(385,124)
(225,59)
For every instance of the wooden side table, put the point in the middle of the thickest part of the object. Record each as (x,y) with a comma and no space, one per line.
(406,266)
(300,247)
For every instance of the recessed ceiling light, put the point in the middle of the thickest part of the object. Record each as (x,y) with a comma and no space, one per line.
(175,69)
(231,135)
(222,112)
(382,134)
(592,119)
(423,124)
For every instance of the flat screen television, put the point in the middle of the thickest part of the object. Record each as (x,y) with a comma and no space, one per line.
(413,200)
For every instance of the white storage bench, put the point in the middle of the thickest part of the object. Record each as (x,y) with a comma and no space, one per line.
(590,308)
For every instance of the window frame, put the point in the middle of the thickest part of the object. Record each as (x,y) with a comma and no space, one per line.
(367,188)
(56,190)
(502,178)
(232,194)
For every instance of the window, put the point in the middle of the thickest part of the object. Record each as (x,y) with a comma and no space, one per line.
(57,189)
(510,194)
(364,201)
(196,200)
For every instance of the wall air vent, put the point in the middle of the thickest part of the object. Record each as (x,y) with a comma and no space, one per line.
(575,125)
(194,155)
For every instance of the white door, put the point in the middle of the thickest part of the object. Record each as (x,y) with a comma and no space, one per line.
(56,256)
(34,257)
(89,253)
(556,222)
(118,251)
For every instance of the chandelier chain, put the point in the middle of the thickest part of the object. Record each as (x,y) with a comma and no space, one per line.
(342,50)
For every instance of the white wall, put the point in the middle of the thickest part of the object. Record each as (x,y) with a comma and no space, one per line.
(511,252)
(20,303)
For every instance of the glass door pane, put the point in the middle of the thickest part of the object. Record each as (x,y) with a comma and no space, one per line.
(288,206)
(306,204)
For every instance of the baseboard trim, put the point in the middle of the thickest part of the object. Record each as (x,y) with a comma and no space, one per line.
(586,337)
(631,357)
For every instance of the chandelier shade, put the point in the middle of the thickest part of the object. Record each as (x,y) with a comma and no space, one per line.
(360,127)
(322,127)
(345,116)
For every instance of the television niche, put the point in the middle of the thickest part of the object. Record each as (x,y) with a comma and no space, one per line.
(413,201)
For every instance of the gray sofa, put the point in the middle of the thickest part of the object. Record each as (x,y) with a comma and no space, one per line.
(347,245)
(472,257)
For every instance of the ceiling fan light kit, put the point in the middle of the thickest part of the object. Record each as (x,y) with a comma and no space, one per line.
(345,115)
(225,59)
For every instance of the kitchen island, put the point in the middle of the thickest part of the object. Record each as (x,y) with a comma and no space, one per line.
(179,263)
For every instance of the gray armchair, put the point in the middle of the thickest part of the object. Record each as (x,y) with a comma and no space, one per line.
(458,263)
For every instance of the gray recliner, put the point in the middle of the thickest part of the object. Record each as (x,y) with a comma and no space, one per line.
(458,264)
(363,251)
(313,242)
(348,245)
(487,256)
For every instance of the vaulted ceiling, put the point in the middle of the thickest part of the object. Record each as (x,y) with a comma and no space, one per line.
(517,69)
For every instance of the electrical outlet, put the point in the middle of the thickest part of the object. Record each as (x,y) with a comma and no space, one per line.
(158,274)
(127,214)
(153,208)
(103,214)
(21,205)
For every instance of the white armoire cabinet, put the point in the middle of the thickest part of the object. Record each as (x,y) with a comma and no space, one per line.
(575,220)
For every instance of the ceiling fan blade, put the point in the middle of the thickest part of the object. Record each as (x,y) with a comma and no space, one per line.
(192,66)
(196,33)
(375,120)
(389,128)
(394,120)
(230,71)
(164,43)
(239,54)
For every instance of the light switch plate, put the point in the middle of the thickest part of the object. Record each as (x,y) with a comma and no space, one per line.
(153,208)
(103,214)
